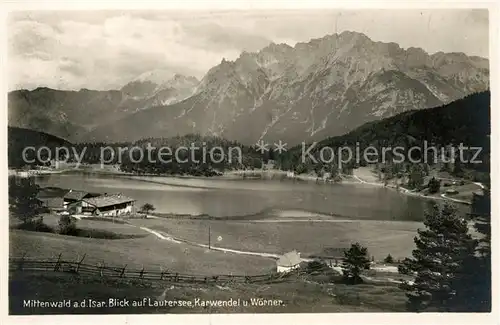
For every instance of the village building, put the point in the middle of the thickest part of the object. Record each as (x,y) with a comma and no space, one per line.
(51,198)
(105,205)
(288,262)
(74,196)
(60,200)
(52,204)
(331,256)
(59,164)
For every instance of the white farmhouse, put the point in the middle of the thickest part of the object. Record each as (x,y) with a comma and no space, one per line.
(288,262)
(107,205)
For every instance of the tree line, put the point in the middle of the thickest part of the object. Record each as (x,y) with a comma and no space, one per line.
(466,121)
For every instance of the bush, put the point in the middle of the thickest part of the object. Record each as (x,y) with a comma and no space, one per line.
(345,298)
(146,208)
(35,225)
(301,169)
(67,225)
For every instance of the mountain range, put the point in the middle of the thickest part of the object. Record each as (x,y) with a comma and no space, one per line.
(314,90)
(465,121)
(72,114)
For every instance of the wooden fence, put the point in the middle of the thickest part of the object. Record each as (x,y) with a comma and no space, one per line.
(102,270)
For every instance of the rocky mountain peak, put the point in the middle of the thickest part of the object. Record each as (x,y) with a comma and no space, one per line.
(180,81)
(324,87)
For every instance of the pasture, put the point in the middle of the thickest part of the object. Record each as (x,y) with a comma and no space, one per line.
(118,227)
(149,252)
(280,236)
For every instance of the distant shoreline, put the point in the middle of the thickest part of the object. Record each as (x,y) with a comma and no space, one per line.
(406,191)
(273,174)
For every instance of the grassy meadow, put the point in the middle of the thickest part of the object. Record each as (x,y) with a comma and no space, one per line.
(300,294)
(308,237)
(149,252)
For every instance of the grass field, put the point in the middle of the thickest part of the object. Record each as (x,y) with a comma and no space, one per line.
(119,228)
(149,251)
(465,192)
(309,238)
(297,295)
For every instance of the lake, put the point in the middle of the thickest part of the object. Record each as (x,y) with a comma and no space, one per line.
(223,197)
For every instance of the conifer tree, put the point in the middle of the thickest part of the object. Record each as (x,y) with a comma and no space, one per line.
(476,293)
(355,260)
(434,185)
(389,259)
(416,177)
(439,262)
(481,214)
(23,202)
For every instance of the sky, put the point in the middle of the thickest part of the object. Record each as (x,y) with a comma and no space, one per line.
(107,49)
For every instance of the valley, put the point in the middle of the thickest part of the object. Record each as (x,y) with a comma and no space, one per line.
(258,168)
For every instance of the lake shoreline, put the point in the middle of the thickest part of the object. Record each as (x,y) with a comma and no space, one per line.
(359,177)
(400,189)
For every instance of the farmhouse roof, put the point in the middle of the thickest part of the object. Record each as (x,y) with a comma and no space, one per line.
(333,251)
(108,200)
(75,195)
(52,202)
(48,192)
(289,259)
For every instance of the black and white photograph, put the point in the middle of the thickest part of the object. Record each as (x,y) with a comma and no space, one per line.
(251,161)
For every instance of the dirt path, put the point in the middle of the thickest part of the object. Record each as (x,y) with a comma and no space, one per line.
(164,236)
(306,220)
(161,236)
(443,195)
(480,185)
